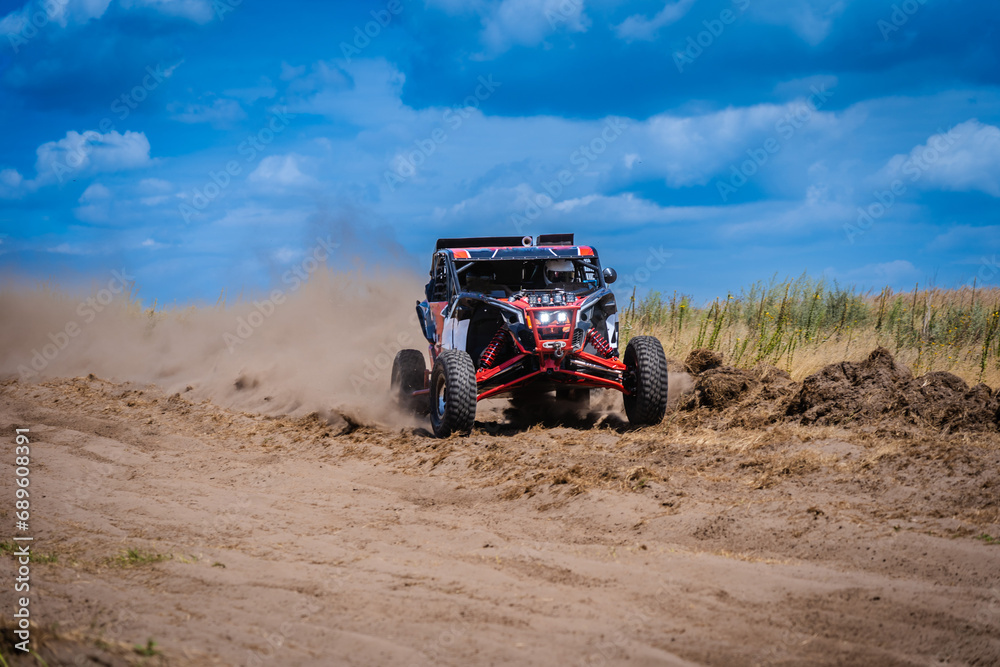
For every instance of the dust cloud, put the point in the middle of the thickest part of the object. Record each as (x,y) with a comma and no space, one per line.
(326,345)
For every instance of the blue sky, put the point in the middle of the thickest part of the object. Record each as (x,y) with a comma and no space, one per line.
(699,145)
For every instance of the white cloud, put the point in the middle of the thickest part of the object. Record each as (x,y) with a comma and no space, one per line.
(154,191)
(690,150)
(323,75)
(90,153)
(367,94)
(10,184)
(289,73)
(811,20)
(77,12)
(588,210)
(529,22)
(79,155)
(95,192)
(96,204)
(966,236)
(199,11)
(98,213)
(286,255)
(279,172)
(963,159)
(639,28)
(67,249)
(151,186)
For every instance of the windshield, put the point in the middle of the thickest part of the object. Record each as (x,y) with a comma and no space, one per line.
(504,278)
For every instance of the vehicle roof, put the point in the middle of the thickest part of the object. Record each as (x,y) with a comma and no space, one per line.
(521,252)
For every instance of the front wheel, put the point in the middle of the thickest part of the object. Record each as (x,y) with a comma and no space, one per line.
(645,380)
(453,393)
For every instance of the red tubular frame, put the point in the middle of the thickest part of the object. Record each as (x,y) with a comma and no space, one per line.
(550,370)
(550,365)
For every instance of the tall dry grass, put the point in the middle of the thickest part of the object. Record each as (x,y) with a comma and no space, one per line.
(804,324)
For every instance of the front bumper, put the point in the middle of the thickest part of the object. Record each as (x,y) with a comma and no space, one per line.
(575,368)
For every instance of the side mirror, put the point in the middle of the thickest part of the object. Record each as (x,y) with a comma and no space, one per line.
(610,275)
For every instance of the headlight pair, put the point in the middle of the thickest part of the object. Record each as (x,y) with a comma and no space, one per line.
(553,316)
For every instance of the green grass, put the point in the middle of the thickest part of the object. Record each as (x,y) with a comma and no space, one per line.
(802,324)
(989,539)
(10,548)
(136,557)
(149,650)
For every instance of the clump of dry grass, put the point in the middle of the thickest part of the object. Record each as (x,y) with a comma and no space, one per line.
(802,325)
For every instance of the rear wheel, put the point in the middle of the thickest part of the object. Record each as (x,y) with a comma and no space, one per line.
(407,377)
(453,393)
(645,380)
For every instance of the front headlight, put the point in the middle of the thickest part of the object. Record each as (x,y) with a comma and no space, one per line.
(549,316)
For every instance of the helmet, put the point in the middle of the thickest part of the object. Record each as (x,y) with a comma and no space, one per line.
(559,271)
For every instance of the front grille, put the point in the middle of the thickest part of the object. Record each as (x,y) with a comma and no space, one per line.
(560,332)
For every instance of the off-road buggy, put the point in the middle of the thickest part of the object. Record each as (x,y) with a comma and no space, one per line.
(523,318)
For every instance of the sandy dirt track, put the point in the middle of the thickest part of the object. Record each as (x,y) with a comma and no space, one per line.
(302,541)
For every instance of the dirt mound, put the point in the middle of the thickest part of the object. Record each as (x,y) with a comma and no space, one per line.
(946,401)
(875,390)
(719,388)
(701,360)
(878,388)
(852,391)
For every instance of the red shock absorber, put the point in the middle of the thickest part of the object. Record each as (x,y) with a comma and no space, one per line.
(600,344)
(489,355)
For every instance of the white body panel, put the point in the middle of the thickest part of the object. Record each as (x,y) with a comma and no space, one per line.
(455,334)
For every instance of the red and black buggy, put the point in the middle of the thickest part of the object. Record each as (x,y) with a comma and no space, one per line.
(523,318)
